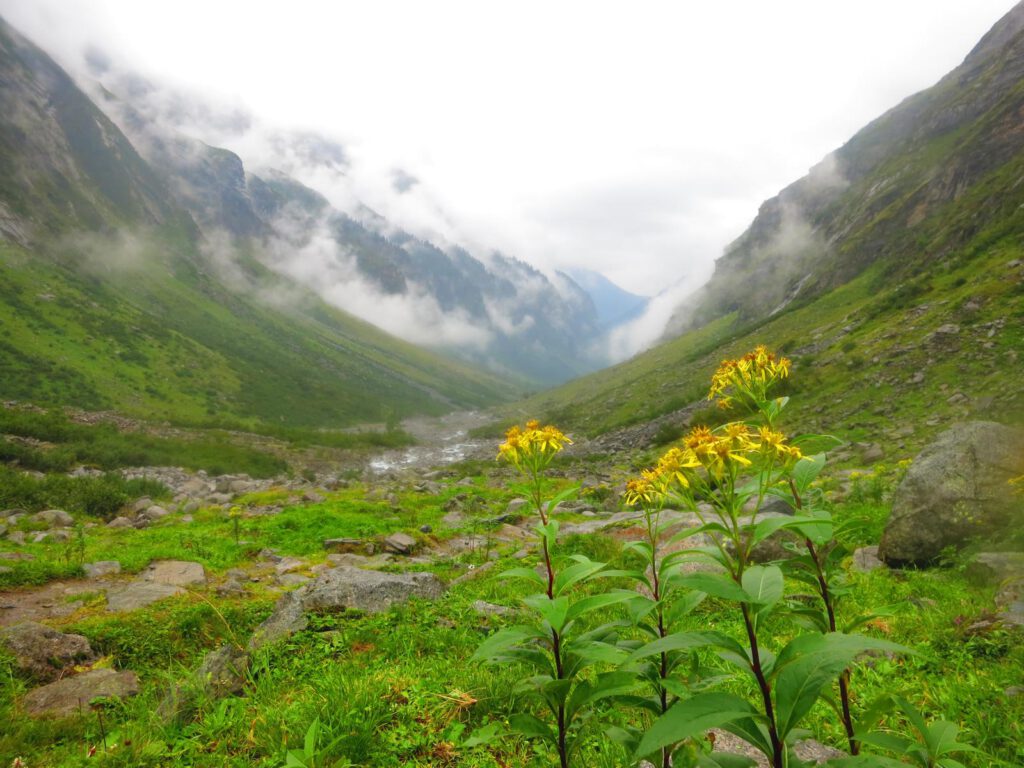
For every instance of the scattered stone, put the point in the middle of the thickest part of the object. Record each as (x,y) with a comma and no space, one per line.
(1014,691)
(490,609)
(16,537)
(517,507)
(426,529)
(16,556)
(400,544)
(41,653)
(154,513)
(288,564)
(872,453)
(348,558)
(102,568)
(120,522)
(12,512)
(139,594)
(142,504)
(73,694)
(176,573)
(948,329)
(312,497)
(54,518)
(866,559)
(190,507)
(956,489)
(371,591)
(454,519)
(291,580)
(809,750)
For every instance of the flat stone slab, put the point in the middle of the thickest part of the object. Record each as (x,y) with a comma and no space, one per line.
(177,573)
(139,594)
(102,568)
(72,694)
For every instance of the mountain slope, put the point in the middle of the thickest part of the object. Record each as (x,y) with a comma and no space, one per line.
(113,298)
(897,287)
(495,310)
(903,191)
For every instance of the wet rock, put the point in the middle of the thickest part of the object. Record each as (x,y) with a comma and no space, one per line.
(42,653)
(73,694)
(955,490)
(399,544)
(102,568)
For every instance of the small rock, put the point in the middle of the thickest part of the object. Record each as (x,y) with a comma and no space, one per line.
(120,522)
(16,537)
(399,543)
(54,518)
(426,529)
(16,556)
(490,609)
(947,329)
(288,564)
(12,512)
(142,504)
(73,694)
(192,506)
(516,507)
(102,568)
(154,513)
(176,573)
(994,568)
(291,579)
(873,453)
(312,497)
(866,559)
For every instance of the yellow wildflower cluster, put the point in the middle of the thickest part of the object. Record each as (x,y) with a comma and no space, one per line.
(750,377)
(1018,484)
(729,448)
(532,446)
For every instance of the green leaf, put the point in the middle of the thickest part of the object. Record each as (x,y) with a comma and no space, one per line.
(312,737)
(683,606)
(770,525)
(564,495)
(806,470)
(676,642)
(531,727)
(715,585)
(552,611)
(763,584)
(809,663)
(604,686)
(690,717)
(503,640)
(724,760)
(484,735)
(574,574)
(596,602)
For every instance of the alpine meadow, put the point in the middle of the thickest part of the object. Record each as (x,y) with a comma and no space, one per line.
(389,385)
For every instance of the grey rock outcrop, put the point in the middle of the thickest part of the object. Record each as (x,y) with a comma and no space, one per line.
(344,587)
(955,490)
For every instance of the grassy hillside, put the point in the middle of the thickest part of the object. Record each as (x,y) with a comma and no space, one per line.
(132,324)
(882,357)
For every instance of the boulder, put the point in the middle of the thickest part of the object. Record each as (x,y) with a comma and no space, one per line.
(956,489)
(42,653)
(399,544)
(222,673)
(120,522)
(344,545)
(73,694)
(154,513)
(54,518)
(339,588)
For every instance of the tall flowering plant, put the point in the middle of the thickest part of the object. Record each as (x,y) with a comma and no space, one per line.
(554,646)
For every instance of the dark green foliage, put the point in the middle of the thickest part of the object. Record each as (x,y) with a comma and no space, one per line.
(98,497)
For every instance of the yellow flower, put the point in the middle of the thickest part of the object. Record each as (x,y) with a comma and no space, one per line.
(774,444)
(532,446)
(749,377)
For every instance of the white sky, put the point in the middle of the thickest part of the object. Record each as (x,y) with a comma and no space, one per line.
(635,138)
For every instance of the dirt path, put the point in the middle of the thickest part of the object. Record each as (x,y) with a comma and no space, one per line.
(54,600)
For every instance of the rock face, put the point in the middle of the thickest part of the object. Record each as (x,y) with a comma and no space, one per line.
(343,587)
(69,695)
(41,653)
(956,489)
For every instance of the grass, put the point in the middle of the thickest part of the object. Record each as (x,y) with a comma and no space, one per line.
(396,688)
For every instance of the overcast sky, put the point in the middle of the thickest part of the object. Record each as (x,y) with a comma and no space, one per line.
(635,138)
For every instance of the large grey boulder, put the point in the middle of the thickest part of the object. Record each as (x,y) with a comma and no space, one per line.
(54,518)
(344,587)
(73,694)
(955,490)
(42,653)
